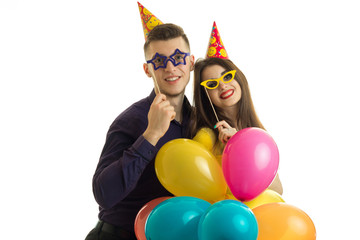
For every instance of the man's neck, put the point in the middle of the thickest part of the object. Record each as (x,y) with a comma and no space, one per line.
(177,103)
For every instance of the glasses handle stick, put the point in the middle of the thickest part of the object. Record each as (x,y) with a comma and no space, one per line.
(157,85)
(212,105)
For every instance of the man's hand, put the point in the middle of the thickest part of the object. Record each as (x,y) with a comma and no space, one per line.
(159,117)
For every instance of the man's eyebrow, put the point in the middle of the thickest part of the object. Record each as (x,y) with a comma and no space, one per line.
(158,54)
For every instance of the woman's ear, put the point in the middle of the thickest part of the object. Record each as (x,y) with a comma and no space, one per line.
(146,69)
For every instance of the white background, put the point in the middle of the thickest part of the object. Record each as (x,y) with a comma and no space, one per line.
(69,67)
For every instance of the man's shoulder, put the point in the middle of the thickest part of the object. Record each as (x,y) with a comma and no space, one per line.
(137,110)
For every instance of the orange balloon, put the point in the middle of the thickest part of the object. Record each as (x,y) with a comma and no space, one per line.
(141,217)
(283,222)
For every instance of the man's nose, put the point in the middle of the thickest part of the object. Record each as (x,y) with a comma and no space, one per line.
(169,66)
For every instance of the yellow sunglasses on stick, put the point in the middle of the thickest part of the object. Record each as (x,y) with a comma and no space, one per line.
(214,83)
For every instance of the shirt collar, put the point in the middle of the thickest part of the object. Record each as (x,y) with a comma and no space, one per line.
(186,110)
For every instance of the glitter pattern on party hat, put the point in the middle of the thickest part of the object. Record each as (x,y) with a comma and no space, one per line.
(216,47)
(148,20)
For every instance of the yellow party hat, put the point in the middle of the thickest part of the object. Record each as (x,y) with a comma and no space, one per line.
(148,20)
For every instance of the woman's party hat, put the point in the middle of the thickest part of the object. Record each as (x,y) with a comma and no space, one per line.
(216,47)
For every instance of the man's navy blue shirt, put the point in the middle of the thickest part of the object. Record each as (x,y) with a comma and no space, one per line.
(125,178)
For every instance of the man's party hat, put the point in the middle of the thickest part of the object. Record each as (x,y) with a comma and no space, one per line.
(148,20)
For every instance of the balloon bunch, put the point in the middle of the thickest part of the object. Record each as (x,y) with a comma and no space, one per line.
(230,200)
(191,218)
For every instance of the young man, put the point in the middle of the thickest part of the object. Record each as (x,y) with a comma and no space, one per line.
(125,178)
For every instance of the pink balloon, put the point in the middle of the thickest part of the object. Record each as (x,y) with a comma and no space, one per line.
(141,217)
(250,162)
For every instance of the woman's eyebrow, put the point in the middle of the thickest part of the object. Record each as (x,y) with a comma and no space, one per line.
(223,72)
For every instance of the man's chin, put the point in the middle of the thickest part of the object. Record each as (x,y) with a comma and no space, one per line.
(173,93)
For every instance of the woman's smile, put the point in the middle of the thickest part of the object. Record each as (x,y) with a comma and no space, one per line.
(227,94)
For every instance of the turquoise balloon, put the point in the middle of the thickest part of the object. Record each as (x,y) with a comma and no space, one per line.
(176,218)
(228,219)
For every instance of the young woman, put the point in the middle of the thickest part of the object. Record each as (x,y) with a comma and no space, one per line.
(222,96)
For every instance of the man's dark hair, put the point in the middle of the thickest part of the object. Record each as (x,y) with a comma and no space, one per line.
(165,32)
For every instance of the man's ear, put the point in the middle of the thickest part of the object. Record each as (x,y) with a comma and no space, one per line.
(192,61)
(146,69)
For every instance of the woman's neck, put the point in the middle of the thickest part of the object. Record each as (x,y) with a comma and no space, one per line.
(231,113)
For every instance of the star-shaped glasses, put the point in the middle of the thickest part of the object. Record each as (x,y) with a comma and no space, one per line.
(214,83)
(160,61)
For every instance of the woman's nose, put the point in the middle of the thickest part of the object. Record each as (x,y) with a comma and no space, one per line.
(222,85)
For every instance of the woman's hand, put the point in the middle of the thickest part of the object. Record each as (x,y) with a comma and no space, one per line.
(225,131)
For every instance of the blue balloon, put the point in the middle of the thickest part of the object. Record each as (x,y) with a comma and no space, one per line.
(176,218)
(228,219)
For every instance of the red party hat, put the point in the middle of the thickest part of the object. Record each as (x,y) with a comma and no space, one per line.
(216,47)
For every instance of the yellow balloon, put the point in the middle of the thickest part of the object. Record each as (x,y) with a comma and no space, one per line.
(206,137)
(268,196)
(186,168)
